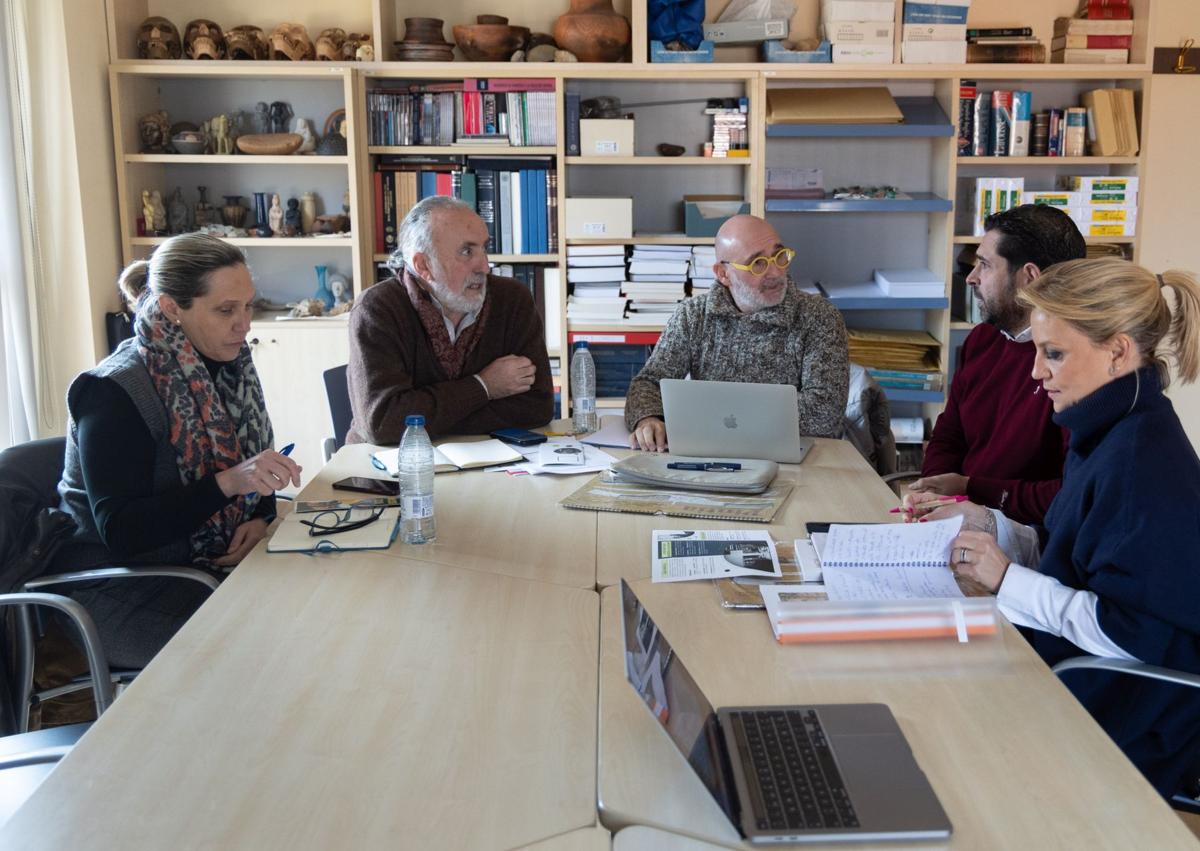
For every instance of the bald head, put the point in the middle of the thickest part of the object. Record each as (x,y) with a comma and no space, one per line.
(742,234)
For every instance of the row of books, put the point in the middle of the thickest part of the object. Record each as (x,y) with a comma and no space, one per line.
(517,199)
(457,113)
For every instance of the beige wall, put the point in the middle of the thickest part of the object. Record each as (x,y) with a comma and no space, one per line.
(1170,219)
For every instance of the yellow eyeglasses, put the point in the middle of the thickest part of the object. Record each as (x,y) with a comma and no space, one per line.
(759,265)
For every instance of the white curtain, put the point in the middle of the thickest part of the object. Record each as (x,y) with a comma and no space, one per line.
(19,338)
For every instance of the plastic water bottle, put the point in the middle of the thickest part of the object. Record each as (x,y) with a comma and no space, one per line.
(583,388)
(416,483)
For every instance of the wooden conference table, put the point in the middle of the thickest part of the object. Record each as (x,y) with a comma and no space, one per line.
(468,694)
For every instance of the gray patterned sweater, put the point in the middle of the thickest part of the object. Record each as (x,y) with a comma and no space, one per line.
(801,341)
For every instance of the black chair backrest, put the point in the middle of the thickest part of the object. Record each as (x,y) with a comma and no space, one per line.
(35,467)
(338,393)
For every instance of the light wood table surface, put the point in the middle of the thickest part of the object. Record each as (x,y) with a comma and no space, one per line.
(833,483)
(585,839)
(351,700)
(642,838)
(490,521)
(1014,759)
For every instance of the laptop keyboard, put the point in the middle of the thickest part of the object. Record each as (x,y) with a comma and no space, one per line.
(798,782)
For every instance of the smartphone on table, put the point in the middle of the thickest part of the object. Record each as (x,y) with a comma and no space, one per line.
(519,436)
(362,484)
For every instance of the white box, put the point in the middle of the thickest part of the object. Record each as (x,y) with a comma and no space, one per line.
(734,32)
(933,52)
(859,32)
(1063,199)
(858,10)
(934,32)
(862,53)
(606,137)
(1103,214)
(1108,228)
(1099,183)
(599,218)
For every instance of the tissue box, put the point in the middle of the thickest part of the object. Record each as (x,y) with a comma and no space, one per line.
(606,137)
(703,215)
(659,53)
(599,218)
(862,53)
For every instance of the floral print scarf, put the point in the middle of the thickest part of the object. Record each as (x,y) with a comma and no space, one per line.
(214,422)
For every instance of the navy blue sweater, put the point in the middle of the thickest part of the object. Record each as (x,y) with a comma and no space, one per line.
(1126,525)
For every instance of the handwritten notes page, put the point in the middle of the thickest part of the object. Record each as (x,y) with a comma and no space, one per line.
(890,561)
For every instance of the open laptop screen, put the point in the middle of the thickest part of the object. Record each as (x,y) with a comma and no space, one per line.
(673,697)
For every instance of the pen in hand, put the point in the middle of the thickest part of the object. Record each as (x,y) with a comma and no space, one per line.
(933,503)
(285,452)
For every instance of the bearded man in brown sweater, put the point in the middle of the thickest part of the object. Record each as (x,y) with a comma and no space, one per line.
(444,338)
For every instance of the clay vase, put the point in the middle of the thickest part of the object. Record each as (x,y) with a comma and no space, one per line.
(233,213)
(593,31)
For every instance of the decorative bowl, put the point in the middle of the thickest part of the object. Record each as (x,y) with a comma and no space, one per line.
(188,142)
(489,42)
(270,144)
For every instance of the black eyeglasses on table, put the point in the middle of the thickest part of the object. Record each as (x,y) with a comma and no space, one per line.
(333,522)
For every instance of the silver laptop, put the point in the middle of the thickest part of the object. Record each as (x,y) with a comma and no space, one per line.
(838,772)
(729,419)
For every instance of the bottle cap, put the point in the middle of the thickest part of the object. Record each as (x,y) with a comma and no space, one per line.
(581,344)
(414,419)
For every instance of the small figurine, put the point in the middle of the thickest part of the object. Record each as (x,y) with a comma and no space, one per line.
(364,53)
(177,214)
(147,211)
(203,213)
(340,287)
(239,125)
(154,130)
(159,214)
(275,216)
(303,128)
(218,135)
(353,46)
(308,211)
(280,113)
(262,118)
(291,218)
(346,201)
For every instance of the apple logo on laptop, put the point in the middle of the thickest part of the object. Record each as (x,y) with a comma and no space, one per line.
(730,421)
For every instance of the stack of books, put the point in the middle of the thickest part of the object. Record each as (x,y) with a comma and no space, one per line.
(657,282)
(1101,34)
(935,32)
(995,195)
(860,31)
(700,269)
(1004,44)
(596,275)
(1104,205)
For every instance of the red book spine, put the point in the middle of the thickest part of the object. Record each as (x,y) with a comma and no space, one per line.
(378,197)
(508,84)
(1117,42)
(1108,13)
(445,183)
(639,338)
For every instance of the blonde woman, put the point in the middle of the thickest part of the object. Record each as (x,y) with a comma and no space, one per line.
(1115,571)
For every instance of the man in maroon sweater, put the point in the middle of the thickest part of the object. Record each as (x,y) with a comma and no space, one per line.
(444,338)
(996,442)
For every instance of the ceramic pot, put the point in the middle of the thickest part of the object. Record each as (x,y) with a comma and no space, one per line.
(487,42)
(593,31)
(323,293)
(233,213)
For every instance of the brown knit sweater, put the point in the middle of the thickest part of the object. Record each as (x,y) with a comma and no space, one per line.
(393,371)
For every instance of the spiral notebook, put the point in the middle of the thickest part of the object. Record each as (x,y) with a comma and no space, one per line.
(890,561)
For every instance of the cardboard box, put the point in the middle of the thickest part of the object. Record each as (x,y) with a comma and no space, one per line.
(703,215)
(738,32)
(599,218)
(858,10)
(933,52)
(859,32)
(606,137)
(818,105)
(862,53)
(934,32)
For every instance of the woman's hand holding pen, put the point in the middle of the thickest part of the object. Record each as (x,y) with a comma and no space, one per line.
(264,474)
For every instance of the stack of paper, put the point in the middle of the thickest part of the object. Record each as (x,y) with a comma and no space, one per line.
(1112,124)
(910,283)
(704,257)
(596,274)
(657,281)
(887,349)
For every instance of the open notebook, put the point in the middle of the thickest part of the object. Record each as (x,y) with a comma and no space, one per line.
(457,456)
(292,536)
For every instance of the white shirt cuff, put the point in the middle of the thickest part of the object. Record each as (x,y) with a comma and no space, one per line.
(483,384)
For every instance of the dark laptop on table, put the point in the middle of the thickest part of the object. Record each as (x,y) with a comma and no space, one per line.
(837,772)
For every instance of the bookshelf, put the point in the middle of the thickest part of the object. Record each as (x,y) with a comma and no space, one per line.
(918,156)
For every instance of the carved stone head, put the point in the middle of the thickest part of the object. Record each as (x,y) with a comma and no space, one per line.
(352,47)
(154,131)
(203,39)
(329,44)
(247,42)
(291,41)
(158,39)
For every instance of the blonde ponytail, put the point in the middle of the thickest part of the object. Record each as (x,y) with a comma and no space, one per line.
(1185,324)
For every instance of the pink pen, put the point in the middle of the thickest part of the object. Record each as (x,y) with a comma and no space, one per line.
(946,500)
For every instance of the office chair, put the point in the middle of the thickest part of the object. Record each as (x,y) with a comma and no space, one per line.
(27,758)
(29,476)
(337,391)
(1179,801)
